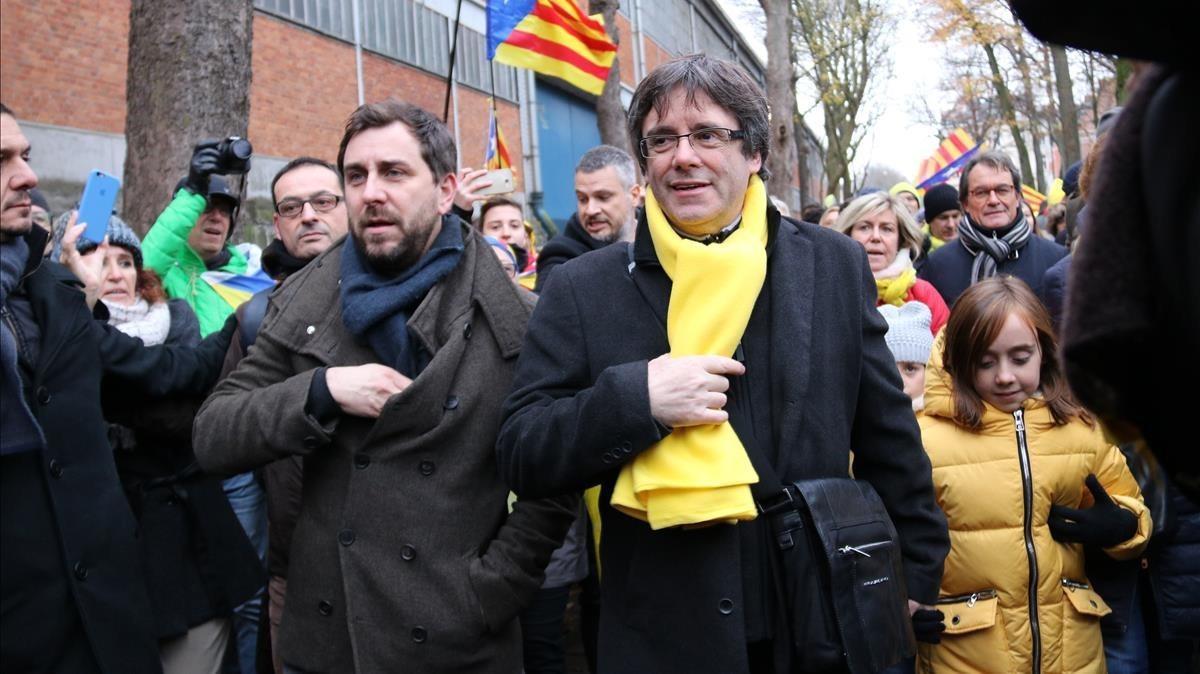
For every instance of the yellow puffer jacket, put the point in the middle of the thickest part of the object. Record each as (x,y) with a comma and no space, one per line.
(997,509)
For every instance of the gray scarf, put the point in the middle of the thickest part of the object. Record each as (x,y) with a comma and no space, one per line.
(989,251)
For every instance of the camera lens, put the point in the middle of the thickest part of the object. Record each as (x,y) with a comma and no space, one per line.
(240,148)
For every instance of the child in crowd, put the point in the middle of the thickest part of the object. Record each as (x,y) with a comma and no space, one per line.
(909,339)
(1026,480)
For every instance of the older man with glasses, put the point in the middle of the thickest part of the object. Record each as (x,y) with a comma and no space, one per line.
(994,237)
(723,326)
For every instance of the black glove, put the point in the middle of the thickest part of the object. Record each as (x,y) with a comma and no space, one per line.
(205,162)
(1104,525)
(928,625)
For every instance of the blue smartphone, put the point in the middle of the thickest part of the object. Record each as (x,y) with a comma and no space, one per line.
(96,205)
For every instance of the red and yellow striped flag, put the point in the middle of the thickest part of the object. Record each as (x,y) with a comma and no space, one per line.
(552,37)
(952,152)
(1032,197)
(497,150)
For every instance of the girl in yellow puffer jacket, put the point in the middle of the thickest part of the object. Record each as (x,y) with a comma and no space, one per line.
(1026,480)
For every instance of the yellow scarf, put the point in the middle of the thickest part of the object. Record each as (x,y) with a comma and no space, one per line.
(700,475)
(934,242)
(894,290)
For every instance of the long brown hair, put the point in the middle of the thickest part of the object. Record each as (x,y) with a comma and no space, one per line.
(975,322)
(149,286)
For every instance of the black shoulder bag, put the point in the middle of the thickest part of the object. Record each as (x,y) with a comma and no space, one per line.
(840,574)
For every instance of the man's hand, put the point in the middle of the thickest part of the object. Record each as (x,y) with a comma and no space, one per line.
(362,391)
(205,162)
(470,181)
(690,390)
(89,269)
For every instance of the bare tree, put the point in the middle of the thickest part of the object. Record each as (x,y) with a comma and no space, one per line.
(610,114)
(844,52)
(188,80)
(781,95)
(976,23)
(1066,106)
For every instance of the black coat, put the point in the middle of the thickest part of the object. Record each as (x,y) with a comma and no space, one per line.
(570,244)
(820,382)
(198,563)
(949,267)
(73,596)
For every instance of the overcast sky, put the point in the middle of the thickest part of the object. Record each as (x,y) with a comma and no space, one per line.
(897,139)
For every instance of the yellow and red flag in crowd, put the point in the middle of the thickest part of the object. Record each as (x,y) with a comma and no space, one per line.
(1032,197)
(497,150)
(953,152)
(552,37)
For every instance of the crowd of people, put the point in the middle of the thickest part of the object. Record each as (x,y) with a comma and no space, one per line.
(406,434)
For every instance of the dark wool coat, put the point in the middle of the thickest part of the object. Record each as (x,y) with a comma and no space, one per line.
(568,245)
(405,557)
(820,382)
(949,267)
(198,563)
(73,594)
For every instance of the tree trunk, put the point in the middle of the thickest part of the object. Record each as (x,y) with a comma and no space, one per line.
(802,151)
(1066,106)
(610,114)
(1124,73)
(781,96)
(1009,110)
(188,80)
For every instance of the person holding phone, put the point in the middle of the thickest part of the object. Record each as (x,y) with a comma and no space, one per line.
(72,593)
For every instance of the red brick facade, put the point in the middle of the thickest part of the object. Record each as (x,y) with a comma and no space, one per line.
(65,64)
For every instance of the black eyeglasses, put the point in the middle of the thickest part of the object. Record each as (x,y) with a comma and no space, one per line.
(321,203)
(707,139)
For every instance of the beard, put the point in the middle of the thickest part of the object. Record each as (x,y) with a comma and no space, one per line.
(398,254)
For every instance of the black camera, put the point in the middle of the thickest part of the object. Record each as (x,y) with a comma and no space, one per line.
(234,155)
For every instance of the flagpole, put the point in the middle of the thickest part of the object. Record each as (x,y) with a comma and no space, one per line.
(453,54)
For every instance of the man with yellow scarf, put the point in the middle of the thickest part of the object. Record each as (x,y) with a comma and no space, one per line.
(649,368)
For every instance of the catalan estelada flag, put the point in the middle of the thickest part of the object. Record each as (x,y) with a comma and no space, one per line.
(952,153)
(497,150)
(1032,197)
(552,37)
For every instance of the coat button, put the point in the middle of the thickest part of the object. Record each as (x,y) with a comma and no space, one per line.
(361,461)
(419,634)
(955,620)
(626,447)
(725,606)
(324,607)
(311,442)
(408,553)
(426,468)
(81,571)
(56,469)
(466,330)
(607,458)
(310,329)
(346,536)
(43,395)
(451,402)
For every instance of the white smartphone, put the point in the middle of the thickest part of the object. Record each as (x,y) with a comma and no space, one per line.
(502,182)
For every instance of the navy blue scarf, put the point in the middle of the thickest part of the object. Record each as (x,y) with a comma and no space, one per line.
(19,429)
(376,308)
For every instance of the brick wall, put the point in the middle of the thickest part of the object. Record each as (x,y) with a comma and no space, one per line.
(65,62)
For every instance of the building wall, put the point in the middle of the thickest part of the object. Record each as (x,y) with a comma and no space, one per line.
(64,73)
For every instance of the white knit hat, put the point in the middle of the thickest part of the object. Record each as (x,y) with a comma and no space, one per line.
(908,333)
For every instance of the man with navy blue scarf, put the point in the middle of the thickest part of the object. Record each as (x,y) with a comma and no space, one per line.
(384,363)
